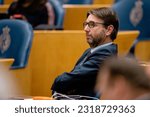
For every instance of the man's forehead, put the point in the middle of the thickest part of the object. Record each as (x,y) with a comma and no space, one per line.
(93,18)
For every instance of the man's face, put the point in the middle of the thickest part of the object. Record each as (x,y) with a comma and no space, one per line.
(96,34)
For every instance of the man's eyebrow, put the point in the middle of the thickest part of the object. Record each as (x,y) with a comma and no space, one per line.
(90,21)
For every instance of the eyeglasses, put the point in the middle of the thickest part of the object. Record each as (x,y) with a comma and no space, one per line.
(91,24)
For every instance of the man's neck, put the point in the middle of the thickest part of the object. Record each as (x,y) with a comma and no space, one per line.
(108,40)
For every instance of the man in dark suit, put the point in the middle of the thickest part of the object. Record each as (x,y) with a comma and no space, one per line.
(101,27)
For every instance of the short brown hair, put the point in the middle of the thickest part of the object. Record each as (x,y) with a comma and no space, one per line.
(130,69)
(109,17)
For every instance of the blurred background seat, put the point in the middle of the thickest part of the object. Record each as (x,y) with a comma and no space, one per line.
(15,41)
(59,13)
(134,15)
(115,1)
(103,2)
(77,1)
(142,52)
(1,1)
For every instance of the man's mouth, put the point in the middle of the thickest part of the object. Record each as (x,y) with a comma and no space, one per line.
(88,36)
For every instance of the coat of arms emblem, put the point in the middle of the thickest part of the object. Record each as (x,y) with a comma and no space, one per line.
(5,39)
(136,14)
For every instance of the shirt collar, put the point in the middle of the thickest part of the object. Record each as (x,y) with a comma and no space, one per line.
(100,46)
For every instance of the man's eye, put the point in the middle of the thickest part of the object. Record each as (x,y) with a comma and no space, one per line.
(91,24)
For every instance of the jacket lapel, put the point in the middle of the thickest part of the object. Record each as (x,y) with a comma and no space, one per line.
(83,56)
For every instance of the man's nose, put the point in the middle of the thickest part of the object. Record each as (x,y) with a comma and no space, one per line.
(86,28)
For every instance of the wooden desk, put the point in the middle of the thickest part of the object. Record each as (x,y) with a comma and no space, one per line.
(7,84)
(125,40)
(74,17)
(8,1)
(76,14)
(4,8)
(6,62)
(95,1)
(144,64)
(54,52)
(20,77)
(103,1)
(142,50)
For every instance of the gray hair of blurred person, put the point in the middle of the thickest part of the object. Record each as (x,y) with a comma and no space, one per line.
(129,68)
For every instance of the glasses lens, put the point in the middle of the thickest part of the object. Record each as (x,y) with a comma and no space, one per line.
(91,24)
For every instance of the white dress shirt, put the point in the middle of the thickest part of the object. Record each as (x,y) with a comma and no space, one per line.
(100,46)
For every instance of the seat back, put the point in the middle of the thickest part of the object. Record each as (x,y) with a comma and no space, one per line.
(78,1)
(59,13)
(142,52)
(15,41)
(110,2)
(1,1)
(115,1)
(134,15)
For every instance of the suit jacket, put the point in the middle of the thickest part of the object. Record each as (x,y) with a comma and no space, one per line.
(81,80)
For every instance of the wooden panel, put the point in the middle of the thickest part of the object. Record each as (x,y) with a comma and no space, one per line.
(95,1)
(103,2)
(76,14)
(142,50)
(23,78)
(6,62)
(11,83)
(7,84)
(17,81)
(8,1)
(3,8)
(125,40)
(54,52)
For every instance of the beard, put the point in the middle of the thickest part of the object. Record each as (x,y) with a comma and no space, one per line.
(97,40)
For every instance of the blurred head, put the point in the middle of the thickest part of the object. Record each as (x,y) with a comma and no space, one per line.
(147,68)
(31,2)
(122,78)
(101,26)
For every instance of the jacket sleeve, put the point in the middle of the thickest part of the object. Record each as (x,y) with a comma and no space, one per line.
(82,74)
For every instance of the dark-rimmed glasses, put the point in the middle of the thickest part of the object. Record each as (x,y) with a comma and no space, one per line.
(91,24)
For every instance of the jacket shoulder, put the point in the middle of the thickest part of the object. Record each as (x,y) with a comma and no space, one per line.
(112,49)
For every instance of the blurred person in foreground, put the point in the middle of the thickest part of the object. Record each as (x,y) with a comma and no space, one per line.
(9,87)
(123,79)
(101,28)
(35,12)
(147,68)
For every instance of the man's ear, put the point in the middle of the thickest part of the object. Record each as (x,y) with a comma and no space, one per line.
(109,30)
